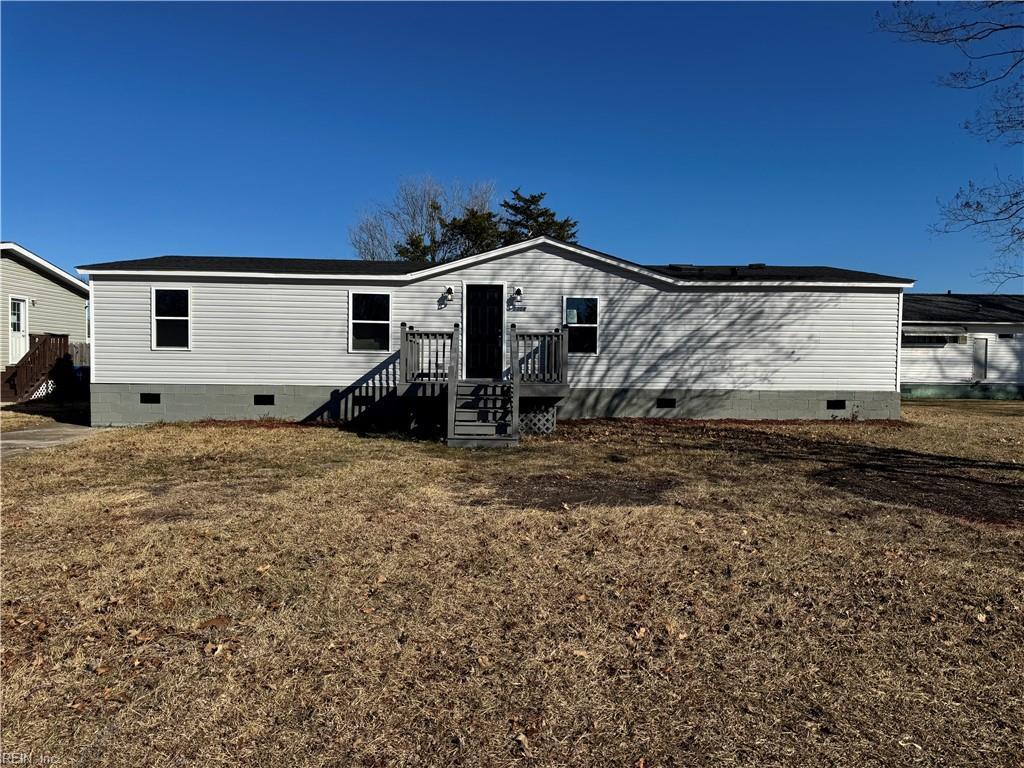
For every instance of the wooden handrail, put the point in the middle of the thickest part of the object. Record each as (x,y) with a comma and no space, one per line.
(424,355)
(453,379)
(540,357)
(516,373)
(44,350)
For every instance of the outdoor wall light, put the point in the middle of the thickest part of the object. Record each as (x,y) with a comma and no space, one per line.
(517,294)
(449,294)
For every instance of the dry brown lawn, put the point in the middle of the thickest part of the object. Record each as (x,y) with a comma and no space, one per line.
(15,421)
(621,594)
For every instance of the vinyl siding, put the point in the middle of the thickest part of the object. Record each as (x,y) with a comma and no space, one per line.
(954,363)
(1006,358)
(56,310)
(297,332)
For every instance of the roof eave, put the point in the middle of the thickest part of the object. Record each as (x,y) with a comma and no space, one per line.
(452,266)
(52,269)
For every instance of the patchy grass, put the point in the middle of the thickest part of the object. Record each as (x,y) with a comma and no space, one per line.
(623,593)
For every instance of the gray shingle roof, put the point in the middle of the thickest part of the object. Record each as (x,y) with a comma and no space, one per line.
(752,272)
(259,264)
(774,273)
(963,308)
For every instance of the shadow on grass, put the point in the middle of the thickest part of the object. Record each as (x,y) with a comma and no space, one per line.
(973,489)
(63,413)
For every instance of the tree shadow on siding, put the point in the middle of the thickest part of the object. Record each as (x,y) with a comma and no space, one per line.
(373,404)
(747,355)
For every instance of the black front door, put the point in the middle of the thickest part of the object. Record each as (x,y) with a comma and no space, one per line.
(484,337)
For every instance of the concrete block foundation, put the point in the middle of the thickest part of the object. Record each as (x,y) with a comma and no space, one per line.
(130,404)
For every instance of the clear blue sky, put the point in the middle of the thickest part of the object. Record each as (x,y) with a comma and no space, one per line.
(792,134)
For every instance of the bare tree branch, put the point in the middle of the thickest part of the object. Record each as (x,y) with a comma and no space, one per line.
(416,212)
(989,35)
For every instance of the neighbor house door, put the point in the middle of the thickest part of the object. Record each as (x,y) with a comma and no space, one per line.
(19,330)
(485,309)
(980,359)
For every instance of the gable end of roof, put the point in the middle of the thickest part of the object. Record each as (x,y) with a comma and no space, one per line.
(22,254)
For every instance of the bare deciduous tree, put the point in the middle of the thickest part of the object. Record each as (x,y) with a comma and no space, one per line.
(416,213)
(990,36)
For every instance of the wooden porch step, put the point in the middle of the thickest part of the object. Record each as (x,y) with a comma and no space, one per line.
(482,414)
(497,416)
(466,429)
(482,442)
(477,405)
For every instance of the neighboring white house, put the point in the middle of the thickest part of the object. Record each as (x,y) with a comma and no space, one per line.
(179,337)
(37,297)
(963,345)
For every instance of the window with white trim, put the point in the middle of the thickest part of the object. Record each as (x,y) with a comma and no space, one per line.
(582,317)
(370,322)
(171,318)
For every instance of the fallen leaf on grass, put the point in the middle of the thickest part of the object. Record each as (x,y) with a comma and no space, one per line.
(523,745)
(219,622)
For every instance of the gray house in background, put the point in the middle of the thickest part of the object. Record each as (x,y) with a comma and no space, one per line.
(518,335)
(38,298)
(963,345)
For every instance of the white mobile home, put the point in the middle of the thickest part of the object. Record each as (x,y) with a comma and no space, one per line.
(521,333)
(963,345)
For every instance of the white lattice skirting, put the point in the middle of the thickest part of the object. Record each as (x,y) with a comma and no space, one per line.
(537,420)
(44,389)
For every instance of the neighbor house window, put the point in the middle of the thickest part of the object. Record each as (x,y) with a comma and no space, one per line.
(171,318)
(581,315)
(932,341)
(370,322)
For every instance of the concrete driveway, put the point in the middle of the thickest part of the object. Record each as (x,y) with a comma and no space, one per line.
(15,443)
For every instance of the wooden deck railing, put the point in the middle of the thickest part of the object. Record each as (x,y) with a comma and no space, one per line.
(453,379)
(426,355)
(539,357)
(33,370)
